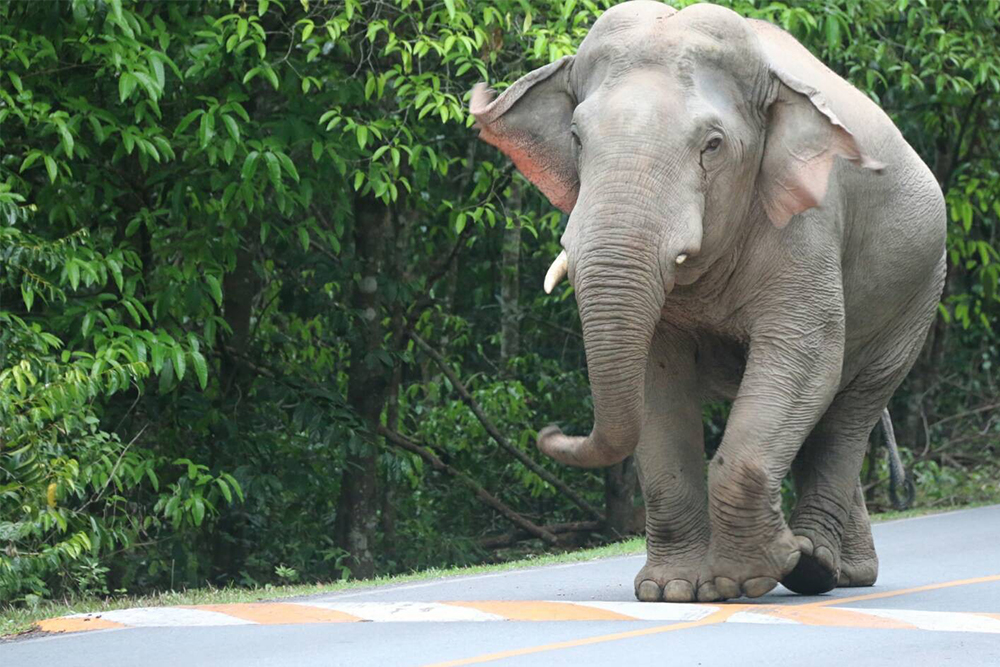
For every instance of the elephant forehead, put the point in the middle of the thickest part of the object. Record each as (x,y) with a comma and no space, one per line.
(642,34)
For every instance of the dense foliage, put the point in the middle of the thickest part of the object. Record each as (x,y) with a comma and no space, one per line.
(225,226)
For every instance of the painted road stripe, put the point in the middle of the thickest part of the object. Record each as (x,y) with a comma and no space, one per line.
(941,621)
(663,611)
(158,617)
(406,612)
(481,611)
(545,611)
(281,613)
(77,624)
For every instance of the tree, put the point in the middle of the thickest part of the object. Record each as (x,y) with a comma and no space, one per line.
(225,225)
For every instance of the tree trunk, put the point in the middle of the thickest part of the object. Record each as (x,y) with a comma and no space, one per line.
(619,493)
(510,325)
(368,382)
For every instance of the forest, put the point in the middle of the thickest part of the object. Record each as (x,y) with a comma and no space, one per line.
(271,312)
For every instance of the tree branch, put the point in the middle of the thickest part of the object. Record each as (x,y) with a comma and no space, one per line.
(496,435)
(403,442)
(508,539)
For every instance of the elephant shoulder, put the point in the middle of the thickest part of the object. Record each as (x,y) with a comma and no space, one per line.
(871,126)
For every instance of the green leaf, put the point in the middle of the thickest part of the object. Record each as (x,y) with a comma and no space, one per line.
(224,488)
(200,368)
(88,323)
(231,126)
(273,169)
(198,511)
(249,166)
(206,129)
(126,84)
(450,6)
(289,166)
(179,363)
(50,166)
(187,120)
(271,76)
(73,272)
(30,160)
(16,80)
(66,139)
(214,288)
(27,295)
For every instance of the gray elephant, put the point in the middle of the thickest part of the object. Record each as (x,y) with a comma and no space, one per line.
(744,225)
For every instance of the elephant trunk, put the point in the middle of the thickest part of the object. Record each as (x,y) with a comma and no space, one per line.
(620,292)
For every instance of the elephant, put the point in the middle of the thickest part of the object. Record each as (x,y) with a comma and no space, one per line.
(743,225)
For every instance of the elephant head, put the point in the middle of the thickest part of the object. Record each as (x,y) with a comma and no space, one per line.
(662,134)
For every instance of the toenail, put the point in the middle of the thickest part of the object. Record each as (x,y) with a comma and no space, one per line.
(754,588)
(793,560)
(648,591)
(707,592)
(678,590)
(727,587)
(824,557)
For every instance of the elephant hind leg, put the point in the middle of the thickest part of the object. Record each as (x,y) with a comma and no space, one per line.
(858,560)
(827,520)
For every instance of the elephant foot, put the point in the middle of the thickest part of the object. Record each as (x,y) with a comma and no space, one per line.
(817,570)
(670,582)
(854,574)
(858,560)
(753,571)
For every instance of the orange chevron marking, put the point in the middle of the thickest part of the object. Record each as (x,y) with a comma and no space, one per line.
(278,613)
(77,624)
(833,617)
(543,611)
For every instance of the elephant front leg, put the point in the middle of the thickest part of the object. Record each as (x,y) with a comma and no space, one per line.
(790,380)
(670,459)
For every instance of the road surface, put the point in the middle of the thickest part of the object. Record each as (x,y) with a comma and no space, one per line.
(937,602)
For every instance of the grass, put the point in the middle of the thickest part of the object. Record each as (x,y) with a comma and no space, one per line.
(14,621)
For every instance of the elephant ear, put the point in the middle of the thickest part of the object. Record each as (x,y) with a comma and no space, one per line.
(804,136)
(530,122)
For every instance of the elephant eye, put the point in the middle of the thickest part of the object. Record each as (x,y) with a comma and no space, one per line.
(713,144)
(576,137)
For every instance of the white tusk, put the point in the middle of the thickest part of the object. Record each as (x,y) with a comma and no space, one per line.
(680,259)
(556,272)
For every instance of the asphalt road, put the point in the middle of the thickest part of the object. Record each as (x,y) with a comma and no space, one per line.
(937,602)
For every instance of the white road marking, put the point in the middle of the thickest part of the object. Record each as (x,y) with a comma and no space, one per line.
(440,612)
(663,611)
(158,617)
(758,617)
(940,621)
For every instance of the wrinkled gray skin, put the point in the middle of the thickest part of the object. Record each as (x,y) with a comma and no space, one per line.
(813,238)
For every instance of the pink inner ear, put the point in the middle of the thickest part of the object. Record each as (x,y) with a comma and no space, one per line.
(529,122)
(535,160)
(803,139)
(801,187)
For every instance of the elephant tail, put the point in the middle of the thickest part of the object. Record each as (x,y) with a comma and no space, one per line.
(901,488)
